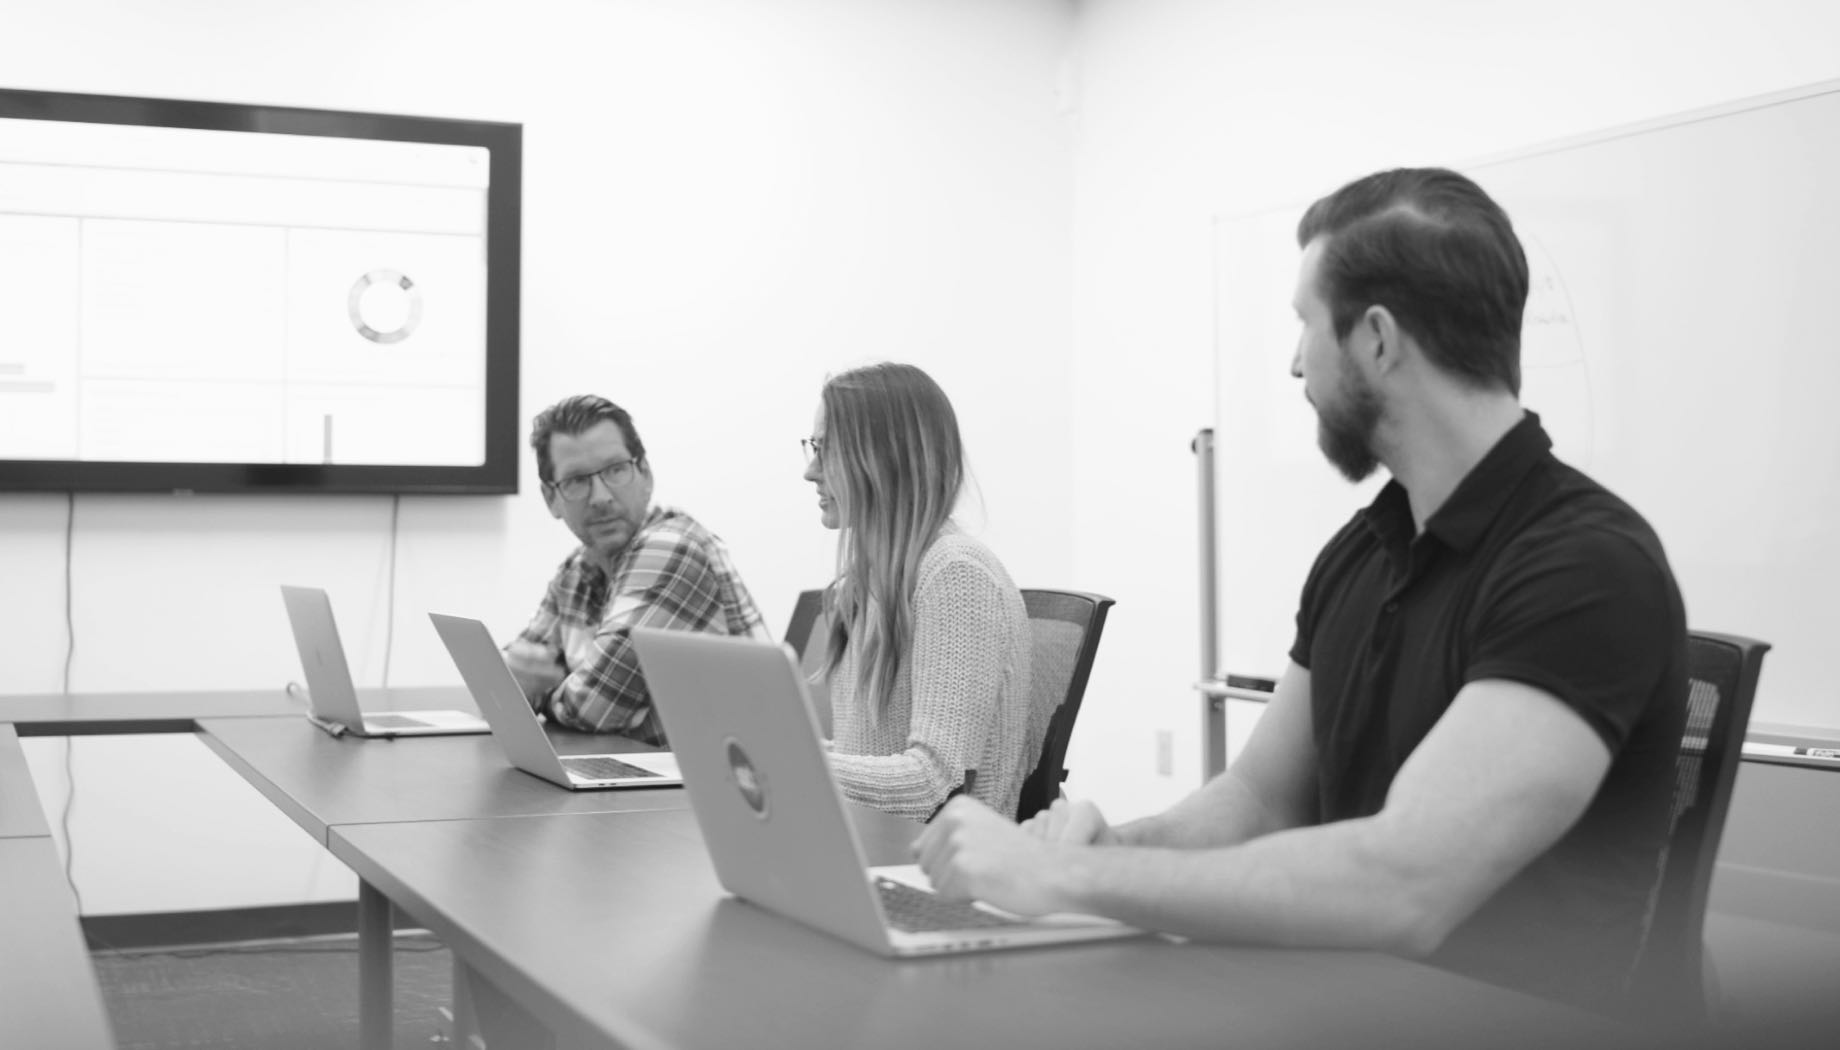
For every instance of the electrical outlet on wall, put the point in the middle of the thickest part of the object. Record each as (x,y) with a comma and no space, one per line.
(1165,753)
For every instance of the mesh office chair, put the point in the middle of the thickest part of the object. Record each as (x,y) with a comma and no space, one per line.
(1722,675)
(806,633)
(1066,626)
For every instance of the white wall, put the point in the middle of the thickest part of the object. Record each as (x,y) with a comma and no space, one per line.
(726,198)
(1195,108)
(723,201)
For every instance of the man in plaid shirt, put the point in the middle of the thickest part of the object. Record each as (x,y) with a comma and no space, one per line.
(637,566)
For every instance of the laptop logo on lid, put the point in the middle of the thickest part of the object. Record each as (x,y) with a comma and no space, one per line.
(747,779)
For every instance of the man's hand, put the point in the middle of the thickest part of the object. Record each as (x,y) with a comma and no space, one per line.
(969,851)
(1075,823)
(535,686)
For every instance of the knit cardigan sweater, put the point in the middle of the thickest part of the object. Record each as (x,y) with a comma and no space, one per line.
(961,698)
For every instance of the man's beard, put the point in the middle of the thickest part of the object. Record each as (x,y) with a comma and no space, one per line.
(1345,432)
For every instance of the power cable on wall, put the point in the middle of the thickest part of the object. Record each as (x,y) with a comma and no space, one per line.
(389,623)
(70,630)
(70,649)
(389,643)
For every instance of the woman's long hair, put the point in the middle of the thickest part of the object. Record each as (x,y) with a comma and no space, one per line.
(893,460)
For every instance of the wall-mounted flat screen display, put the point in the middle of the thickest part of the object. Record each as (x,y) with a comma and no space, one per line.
(209,297)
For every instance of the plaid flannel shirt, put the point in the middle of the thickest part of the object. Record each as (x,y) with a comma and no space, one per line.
(675,574)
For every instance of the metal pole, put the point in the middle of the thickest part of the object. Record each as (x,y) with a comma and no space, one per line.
(1213,708)
(376,986)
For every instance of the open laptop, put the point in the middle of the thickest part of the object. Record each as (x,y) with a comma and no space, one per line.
(515,724)
(332,702)
(760,783)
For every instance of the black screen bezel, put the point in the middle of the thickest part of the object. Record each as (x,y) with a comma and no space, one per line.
(497,475)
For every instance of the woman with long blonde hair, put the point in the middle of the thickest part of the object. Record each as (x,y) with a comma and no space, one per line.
(928,646)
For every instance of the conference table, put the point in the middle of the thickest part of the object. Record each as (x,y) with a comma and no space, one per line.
(323,782)
(21,816)
(49,997)
(610,930)
(594,919)
(108,714)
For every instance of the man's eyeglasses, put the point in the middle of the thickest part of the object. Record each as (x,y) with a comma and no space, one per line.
(813,448)
(613,475)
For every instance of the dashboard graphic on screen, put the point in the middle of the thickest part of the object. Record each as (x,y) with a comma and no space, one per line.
(213,297)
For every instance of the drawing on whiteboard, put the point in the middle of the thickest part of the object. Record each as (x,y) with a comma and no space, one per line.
(1555,370)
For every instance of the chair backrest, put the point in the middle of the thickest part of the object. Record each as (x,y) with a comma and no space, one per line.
(806,633)
(1722,673)
(1065,626)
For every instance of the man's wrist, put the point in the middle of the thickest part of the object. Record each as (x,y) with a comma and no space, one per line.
(1070,878)
(1137,833)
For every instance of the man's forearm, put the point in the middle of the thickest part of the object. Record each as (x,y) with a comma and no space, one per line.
(1315,887)
(1222,812)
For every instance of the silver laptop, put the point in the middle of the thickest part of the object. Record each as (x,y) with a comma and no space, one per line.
(515,723)
(760,784)
(332,702)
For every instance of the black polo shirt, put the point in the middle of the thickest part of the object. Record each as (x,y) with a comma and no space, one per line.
(1532,572)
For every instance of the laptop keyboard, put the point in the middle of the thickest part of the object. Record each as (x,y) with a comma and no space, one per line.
(600,767)
(911,909)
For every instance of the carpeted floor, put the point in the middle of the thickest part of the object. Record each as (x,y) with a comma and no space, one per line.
(281,995)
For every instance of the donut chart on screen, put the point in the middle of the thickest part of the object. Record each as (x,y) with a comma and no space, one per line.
(384,306)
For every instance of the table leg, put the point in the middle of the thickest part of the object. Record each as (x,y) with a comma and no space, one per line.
(499,1020)
(465,1028)
(375,981)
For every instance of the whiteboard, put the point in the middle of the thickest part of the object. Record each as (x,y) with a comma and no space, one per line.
(1681,343)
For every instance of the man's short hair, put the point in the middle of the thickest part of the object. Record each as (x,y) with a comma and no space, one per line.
(575,415)
(1430,246)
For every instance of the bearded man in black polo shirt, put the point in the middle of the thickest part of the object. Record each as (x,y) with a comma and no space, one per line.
(1470,758)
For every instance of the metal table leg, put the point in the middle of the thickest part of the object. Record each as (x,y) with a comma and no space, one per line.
(376,986)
